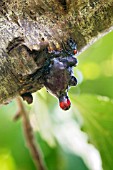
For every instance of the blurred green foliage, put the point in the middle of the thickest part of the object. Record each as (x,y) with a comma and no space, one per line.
(94,98)
(63,144)
(15,156)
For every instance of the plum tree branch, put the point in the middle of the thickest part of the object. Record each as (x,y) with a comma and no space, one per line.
(28,27)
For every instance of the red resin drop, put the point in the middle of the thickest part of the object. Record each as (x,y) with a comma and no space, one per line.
(75,51)
(65,105)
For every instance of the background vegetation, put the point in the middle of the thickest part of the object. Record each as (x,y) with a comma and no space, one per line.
(64,145)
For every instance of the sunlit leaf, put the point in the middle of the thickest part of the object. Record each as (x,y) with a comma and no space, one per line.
(6,161)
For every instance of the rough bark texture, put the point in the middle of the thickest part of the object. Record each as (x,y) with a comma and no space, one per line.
(28,27)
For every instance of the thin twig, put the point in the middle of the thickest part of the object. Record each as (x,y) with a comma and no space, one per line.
(30,139)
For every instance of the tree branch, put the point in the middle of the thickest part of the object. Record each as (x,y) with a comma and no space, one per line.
(28,27)
(29,136)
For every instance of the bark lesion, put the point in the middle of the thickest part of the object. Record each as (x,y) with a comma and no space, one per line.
(28,67)
(24,68)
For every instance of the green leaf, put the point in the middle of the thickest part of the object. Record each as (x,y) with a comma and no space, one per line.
(6,161)
(97,113)
(101,86)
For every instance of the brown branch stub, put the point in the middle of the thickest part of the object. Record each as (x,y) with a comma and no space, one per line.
(29,136)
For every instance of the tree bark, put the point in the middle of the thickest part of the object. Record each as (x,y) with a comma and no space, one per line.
(28,27)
